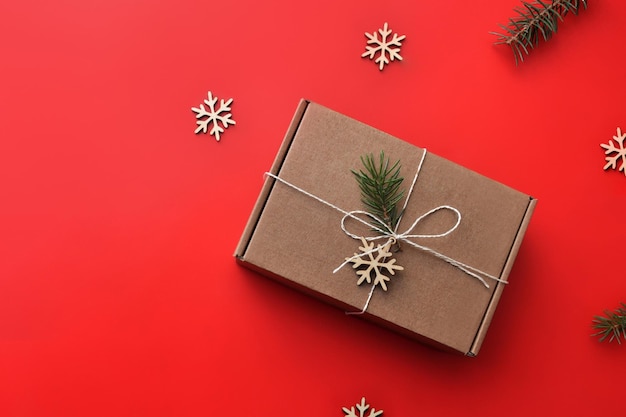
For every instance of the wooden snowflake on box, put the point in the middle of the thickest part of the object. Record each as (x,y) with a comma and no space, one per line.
(615,153)
(374,259)
(212,116)
(362,407)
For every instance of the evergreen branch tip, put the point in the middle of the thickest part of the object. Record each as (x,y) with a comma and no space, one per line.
(535,20)
(612,326)
(379,182)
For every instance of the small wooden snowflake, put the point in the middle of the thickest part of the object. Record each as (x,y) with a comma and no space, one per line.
(383,46)
(213,116)
(375,260)
(615,153)
(362,407)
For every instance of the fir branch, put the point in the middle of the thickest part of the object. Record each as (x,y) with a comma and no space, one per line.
(611,326)
(535,20)
(380,189)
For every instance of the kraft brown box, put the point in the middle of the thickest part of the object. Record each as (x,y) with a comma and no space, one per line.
(298,240)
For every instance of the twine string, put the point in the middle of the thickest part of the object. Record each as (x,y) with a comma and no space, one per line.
(367,303)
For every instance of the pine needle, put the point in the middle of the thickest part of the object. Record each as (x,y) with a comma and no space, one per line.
(535,20)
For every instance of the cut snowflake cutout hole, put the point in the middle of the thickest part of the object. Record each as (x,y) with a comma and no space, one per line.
(374,259)
(213,116)
(615,152)
(383,46)
(362,408)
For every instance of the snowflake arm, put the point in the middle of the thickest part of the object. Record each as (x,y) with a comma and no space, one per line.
(617,152)
(213,116)
(383,46)
(375,260)
(362,408)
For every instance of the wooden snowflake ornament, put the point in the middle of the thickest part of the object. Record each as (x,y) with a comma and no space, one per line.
(361,407)
(212,116)
(615,153)
(375,259)
(383,46)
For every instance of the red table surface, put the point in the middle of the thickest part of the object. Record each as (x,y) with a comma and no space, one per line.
(119,295)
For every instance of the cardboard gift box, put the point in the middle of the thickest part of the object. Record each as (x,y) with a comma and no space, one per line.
(295,231)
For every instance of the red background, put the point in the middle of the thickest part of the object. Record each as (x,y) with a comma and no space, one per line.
(119,295)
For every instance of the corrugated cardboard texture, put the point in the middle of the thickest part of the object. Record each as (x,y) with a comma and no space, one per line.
(292,237)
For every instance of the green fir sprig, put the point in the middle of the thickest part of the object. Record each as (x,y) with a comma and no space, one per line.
(612,326)
(380,189)
(537,19)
